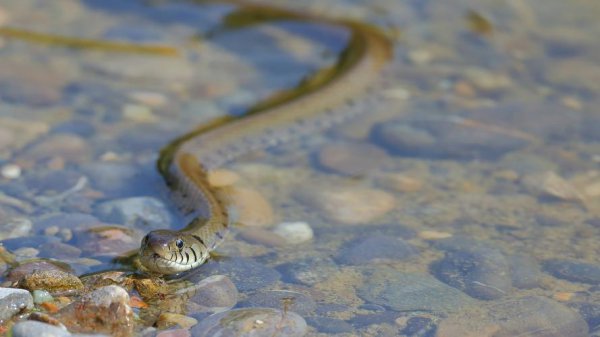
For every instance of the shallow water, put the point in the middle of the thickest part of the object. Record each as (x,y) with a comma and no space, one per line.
(464,200)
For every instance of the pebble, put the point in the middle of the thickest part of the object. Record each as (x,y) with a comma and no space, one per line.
(175,333)
(251,208)
(294,232)
(53,281)
(113,178)
(403,291)
(525,272)
(15,133)
(525,316)
(15,228)
(349,205)
(351,159)
(289,300)
(11,171)
(262,236)
(33,328)
(400,183)
(31,83)
(246,274)
(590,312)
(444,138)
(167,320)
(577,74)
(550,184)
(109,241)
(251,322)
(433,235)
(105,310)
(13,301)
(142,212)
(41,296)
(29,267)
(480,271)
(213,294)
(487,81)
(329,325)
(375,248)
(153,99)
(55,222)
(59,251)
(574,271)
(70,147)
(138,113)
(308,271)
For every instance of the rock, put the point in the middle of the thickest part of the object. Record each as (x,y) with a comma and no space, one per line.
(53,281)
(574,271)
(24,81)
(29,267)
(113,178)
(65,220)
(15,133)
(13,301)
(525,272)
(251,322)
(525,316)
(483,273)
(138,113)
(574,74)
(349,205)
(15,228)
(105,310)
(175,333)
(213,294)
(11,171)
(149,98)
(374,248)
(487,81)
(590,312)
(434,235)
(549,184)
(137,211)
(70,147)
(351,159)
(250,207)
(262,236)
(410,292)
(446,138)
(59,251)
(167,320)
(246,274)
(279,299)
(108,240)
(294,232)
(330,325)
(41,296)
(308,271)
(419,326)
(33,328)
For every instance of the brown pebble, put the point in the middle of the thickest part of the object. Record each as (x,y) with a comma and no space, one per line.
(351,158)
(167,320)
(250,207)
(262,236)
(434,235)
(53,281)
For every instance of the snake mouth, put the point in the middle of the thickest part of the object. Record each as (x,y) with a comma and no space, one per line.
(155,262)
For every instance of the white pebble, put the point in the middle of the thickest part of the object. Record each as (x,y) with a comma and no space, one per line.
(11,171)
(294,232)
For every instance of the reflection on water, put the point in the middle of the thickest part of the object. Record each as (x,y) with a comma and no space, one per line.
(463,201)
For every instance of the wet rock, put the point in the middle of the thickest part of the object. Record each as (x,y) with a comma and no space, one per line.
(262,236)
(167,320)
(549,184)
(11,171)
(41,296)
(213,294)
(349,205)
(574,271)
(79,127)
(410,292)
(246,274)
(29,267)
(525,272)
(483,273)
(526,316)
(251,207)
(279,299)
(487,81)
(69,147)
(65,220)
(108,240)
(15,228)
(28,241)
(351,159)
(330,325)
(255,322)
(33,328)
(113,178)
(13,301)
(52,183)
(309,271)
(419,327)
(294,232)
(59,250)
(33,83)
(53,281)
(376,247)
(175,333)
(590,312)
(136,211)
(575,74)
(15,133)
(105,310)
(445,138)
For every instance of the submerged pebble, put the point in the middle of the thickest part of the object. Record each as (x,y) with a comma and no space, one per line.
(15,228)
(375,248)
(351,159)
(575,271)
(250,206)
(33,328)
(246,274)
(294,301)
(11,171)
(213,294)
(136,211)
(349,205)
(294,232)
(255,322)
(13,301)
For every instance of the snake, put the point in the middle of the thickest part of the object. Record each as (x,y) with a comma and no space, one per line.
(185,162)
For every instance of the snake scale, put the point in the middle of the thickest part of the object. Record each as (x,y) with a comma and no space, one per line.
(185,161)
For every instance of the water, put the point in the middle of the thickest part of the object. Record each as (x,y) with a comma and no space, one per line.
(463,201)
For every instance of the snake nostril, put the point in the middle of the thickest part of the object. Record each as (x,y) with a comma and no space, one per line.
(156,256)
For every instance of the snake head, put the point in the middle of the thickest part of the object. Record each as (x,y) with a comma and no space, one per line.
(170,252)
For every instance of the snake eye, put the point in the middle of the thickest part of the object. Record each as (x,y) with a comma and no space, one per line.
(179,243)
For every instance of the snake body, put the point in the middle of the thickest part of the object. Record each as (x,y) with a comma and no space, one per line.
(185,161)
